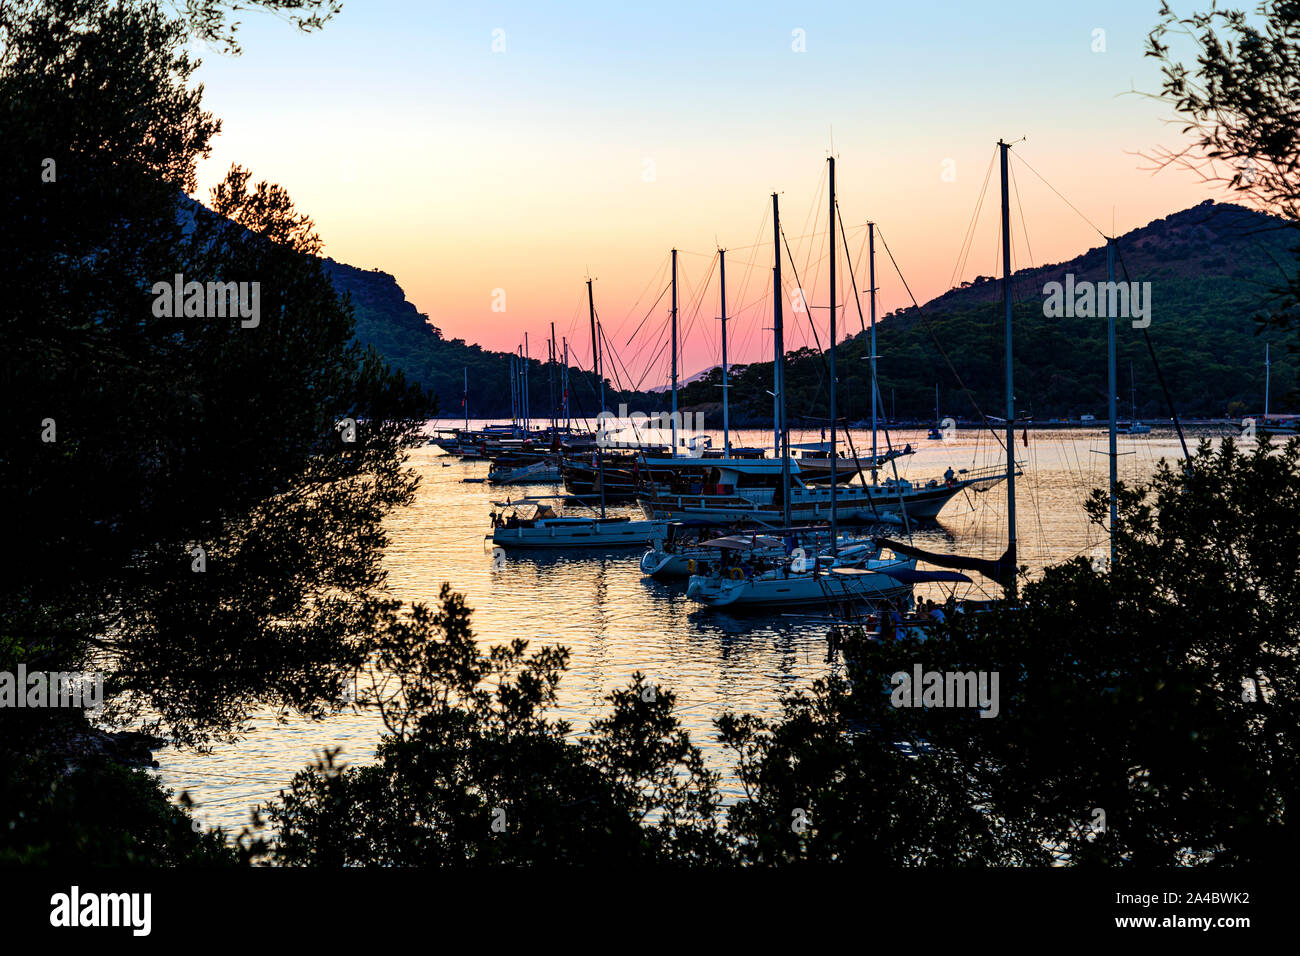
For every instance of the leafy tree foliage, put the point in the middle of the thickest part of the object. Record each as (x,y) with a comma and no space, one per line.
(472,771)
(1160,691)
(192,520)
(177,433)
(1237,106)
(1146,716)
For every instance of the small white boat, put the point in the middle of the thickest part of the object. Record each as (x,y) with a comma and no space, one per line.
(859,574)
(545,529)
(537,472)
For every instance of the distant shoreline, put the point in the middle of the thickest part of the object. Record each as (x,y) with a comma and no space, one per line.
(962,424)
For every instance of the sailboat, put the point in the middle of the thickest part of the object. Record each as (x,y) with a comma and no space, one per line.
(743,578)
(545,529)
(774,492)
(1132,426)
(853,575)
(936,431)
(1267,424)
(1003,569)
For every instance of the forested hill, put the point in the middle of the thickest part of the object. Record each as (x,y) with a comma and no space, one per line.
(1212,269)
(406,338)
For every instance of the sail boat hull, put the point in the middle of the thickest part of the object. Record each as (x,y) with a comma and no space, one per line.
(575,533)
(870,505)
(775,590)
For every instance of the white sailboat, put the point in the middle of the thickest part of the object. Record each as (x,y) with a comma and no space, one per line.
(936,430)
(776,492)
(691,547)
(1004,568)
(752,494)
(851,576)
(1284,427)
(544,529)
(742,578)
(1132,426)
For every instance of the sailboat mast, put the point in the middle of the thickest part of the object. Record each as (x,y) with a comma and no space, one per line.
(464,398)
(1004,148)
(600,426)
(783,439)
(1268,368)
(726,375)
(871,266)
(1132,396)
(514,398)
(834,444)
(674,419)
(550,380)
(564,385)
(1112,387)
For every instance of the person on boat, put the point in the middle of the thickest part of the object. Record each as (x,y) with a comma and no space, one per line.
(950,476)
(907,449)
(936,612)
(888,631)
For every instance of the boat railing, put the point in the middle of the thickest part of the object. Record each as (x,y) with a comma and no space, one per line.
(983,474)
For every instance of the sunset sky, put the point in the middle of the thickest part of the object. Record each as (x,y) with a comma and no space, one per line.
(601,137)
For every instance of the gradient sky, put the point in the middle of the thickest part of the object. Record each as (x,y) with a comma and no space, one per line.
(420,151)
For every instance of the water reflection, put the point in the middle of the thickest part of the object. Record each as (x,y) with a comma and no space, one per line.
(616,622)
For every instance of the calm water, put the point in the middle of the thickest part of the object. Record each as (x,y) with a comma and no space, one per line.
(615,622)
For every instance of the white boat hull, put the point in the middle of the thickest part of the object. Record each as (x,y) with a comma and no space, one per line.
(573,533)
(773,589)
(876,503)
